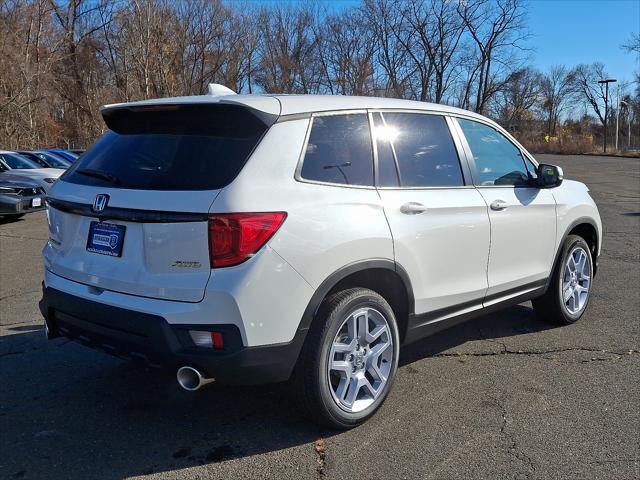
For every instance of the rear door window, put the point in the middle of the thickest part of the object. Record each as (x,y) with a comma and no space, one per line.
(339,150)
(172,147)
(422,148)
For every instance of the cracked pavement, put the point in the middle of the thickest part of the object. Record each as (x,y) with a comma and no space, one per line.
(502,397)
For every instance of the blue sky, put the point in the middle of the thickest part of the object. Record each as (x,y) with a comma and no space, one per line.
(584,31)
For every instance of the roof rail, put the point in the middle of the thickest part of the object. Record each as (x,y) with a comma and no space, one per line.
(216,89)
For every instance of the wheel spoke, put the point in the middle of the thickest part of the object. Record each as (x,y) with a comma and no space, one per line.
(352,390)
(365,383)
(363,325)
(375,333)
(343,386)
(567,292)
(375,371)
(341,366)
(379,349)
(352,327)
(576,299)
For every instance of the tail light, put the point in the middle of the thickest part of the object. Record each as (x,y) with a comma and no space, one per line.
(235,237)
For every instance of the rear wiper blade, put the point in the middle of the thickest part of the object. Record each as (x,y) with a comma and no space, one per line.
(90,172)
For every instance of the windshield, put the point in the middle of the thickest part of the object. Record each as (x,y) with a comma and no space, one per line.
(53,160)
(194,147)
(18,161)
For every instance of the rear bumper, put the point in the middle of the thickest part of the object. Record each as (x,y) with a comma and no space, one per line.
(150,338)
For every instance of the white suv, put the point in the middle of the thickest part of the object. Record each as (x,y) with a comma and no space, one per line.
(262,238)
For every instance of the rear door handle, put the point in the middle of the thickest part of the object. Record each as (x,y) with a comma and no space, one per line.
(413,208)
(498,205)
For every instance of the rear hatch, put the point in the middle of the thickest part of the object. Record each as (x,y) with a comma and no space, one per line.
(131,215)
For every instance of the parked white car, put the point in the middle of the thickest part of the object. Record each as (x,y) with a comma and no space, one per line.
(265,238)
(24,167)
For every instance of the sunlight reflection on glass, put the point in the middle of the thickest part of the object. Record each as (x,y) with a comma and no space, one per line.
(386,133)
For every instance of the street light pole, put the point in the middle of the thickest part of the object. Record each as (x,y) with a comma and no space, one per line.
(628,109)
(606,108)
(617,112)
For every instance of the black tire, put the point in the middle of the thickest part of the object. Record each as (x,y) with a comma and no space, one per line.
(311,379)
(550,307)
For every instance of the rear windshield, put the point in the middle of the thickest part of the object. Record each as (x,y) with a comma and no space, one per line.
(187,147)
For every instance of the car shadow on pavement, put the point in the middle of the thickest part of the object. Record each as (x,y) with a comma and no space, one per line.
(92,416)
(10,219)
(492,328)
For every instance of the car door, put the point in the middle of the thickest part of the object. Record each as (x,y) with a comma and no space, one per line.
(438,220)
(522,216)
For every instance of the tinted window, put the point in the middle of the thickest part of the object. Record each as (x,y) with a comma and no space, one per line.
(18,161)
(498,161)
(195,147)
(54,161)
(339,150)
(34,158)
(424,149)
(387,170)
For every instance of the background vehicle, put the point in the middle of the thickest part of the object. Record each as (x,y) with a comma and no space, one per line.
(46,159)
(22,166)
(306,238)
(19,195)
(77,151)
(66,154)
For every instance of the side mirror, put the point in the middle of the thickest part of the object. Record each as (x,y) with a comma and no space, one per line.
(549,176)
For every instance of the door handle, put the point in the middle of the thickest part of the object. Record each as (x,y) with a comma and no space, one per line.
(498,205)
(413,208)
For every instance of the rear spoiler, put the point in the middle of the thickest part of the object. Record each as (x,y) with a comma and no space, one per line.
(184,117)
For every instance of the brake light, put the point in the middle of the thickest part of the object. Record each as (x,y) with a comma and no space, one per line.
(235,237)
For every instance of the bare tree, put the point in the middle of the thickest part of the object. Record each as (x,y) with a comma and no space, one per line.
(496,27)
(557,87)
(633,44)
(345,52)
(385,20)
(516,100)
(592,92)
(287,58)
(431,34)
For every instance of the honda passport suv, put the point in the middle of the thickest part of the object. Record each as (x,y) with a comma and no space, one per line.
(264,238)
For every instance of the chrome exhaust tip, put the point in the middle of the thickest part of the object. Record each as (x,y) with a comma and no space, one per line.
(191,379)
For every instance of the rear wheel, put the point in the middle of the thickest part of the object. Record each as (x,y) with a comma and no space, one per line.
(568,294)
(349,359)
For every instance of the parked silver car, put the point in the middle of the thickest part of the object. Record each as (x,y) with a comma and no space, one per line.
(20,165)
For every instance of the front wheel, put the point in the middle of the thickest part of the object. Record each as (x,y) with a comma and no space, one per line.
(568,294)
(349,360)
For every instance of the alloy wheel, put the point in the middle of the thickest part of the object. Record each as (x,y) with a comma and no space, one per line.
(360,360)
(576,280)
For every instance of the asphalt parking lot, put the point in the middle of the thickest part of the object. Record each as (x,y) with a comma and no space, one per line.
(501,397)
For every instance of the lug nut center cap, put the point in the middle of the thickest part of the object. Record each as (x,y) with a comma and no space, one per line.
(358,359)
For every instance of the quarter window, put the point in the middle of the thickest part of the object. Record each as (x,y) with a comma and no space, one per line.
(498,161)
(423,149)
(339,150)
